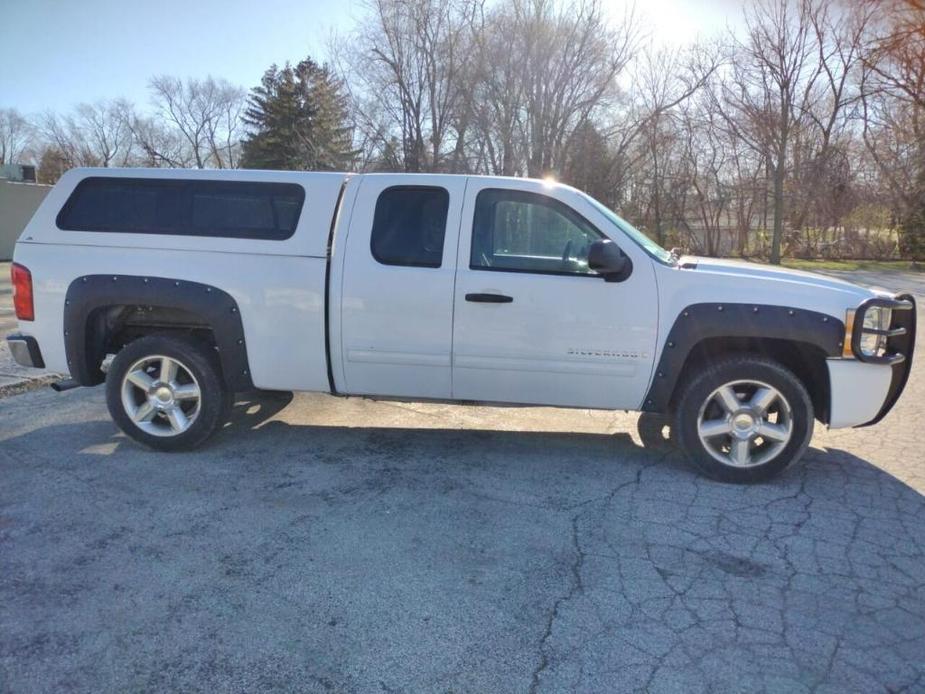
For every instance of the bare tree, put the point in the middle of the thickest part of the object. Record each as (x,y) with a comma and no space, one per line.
(161,145)
(546,78)
(895,57)
(498,91)
(16,134)
(204,115)
(820,173)
(408,70)
(893,90)
(663,80)
(770,87)
(573,58)
(97,134)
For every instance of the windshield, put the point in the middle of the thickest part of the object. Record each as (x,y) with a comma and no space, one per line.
(647,244)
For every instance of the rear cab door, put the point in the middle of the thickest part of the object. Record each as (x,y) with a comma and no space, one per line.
(393,335)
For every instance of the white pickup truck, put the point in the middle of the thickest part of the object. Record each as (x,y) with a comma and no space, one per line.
(436,287)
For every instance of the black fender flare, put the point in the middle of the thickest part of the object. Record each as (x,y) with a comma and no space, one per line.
(699,322)
(215,307)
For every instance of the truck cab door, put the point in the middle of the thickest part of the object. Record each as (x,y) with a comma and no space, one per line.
(533,323)
(396,297)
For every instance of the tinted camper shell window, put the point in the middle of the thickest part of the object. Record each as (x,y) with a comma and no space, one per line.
(182,207)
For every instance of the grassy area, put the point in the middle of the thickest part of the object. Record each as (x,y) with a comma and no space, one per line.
(852,265)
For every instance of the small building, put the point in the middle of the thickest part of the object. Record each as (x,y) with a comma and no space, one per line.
(20,196)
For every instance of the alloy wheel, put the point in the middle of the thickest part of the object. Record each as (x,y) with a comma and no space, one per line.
(745,423)
(161,396)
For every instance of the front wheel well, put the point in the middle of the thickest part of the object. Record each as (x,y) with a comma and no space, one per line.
(805,360)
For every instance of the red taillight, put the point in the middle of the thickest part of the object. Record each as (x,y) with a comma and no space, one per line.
(22,292)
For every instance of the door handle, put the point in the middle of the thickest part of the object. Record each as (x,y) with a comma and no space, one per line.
(489,298)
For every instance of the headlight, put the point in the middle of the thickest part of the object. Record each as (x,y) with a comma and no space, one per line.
(875,318)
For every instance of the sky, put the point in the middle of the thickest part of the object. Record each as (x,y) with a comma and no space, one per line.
(55,54)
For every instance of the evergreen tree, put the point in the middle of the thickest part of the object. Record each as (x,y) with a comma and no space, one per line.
(298,120)
(52,165)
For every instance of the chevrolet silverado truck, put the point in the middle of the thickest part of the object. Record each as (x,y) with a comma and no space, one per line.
(180,288)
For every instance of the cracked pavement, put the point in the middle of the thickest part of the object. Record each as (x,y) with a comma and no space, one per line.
(344,545)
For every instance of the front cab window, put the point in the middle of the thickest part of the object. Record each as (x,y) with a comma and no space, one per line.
(517,231)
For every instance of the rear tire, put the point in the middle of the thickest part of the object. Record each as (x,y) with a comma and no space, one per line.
(744,419)
(167,392)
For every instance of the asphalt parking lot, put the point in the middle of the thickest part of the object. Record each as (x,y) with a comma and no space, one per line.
(343,545)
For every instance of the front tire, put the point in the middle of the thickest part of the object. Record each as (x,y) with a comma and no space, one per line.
(744,419)
(167,392)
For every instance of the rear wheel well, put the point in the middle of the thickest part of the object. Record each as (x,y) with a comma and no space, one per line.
(104,313)
(805,360)
(110,328)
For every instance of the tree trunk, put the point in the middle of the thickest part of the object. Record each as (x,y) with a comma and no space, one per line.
(778,213)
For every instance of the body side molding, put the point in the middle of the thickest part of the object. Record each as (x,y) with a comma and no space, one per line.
(215,307)
(699,322)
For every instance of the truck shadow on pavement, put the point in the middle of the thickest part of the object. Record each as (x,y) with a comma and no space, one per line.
(332,558)
(252,410)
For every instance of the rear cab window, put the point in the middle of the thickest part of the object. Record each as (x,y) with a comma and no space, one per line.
(182,207)
(409,226)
